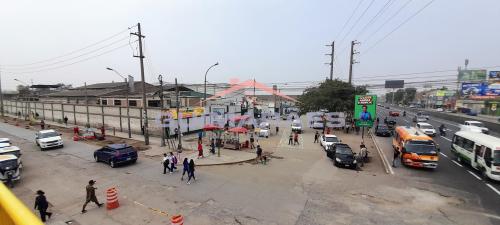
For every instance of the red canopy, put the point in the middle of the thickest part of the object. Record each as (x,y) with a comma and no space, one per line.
(238,130)
(238,118)
(210,127)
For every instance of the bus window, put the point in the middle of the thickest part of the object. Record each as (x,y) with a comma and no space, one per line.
(487,157)
(468,145)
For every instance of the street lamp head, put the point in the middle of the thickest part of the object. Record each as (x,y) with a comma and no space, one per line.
(216,64)
(109,68)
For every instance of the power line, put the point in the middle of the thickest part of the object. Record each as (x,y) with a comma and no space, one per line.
(69,53)
(399,26)
(357,21)
(349,20)
(387,20)
(374,18)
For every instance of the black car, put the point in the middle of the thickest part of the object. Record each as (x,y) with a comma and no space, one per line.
(115,154)
(391,123)
(382,130)
(342,155)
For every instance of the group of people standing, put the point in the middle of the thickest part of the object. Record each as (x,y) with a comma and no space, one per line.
(293,139)
(188,167)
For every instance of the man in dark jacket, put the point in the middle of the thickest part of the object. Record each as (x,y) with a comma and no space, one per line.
(42,204)
(91,196)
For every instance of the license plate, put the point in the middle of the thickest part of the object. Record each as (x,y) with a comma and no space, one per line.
(129,158)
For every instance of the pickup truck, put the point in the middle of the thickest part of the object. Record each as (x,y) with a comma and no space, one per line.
(474,126)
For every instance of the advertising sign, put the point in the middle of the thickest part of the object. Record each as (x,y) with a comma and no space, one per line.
(466,75)
(187,112)
(443,93)
(480,89)
(394,83)
(494,74)
(365,110)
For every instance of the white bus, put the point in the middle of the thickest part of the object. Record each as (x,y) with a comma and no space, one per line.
(481,151)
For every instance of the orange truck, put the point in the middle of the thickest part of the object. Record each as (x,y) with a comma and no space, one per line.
(416,148)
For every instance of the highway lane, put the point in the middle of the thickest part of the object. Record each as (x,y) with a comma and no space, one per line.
(449,173)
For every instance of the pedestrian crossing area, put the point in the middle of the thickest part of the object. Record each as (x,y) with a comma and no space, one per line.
(284,141)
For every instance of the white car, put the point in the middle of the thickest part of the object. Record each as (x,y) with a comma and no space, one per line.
(296,126)
(427,129)
(328,140)
(317,125)
(48,139)
(5,140)
(264,129)
(439,110)
(474,126)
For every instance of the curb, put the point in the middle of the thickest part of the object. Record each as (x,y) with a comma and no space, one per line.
(387,166)
(228,163)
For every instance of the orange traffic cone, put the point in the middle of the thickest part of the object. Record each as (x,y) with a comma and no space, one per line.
(177,220)
(112,199)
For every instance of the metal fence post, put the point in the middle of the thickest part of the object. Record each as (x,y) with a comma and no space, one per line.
(62,111)
(52,110)
(43,111)
(102,114)
(120,112)
(74,113)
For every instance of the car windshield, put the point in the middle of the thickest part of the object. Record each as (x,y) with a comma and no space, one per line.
(48,134)
(496,157)
(421,147)
(343,150)
(331,139)
(477,124)
(296,124)
(382,127)
(426,127)
(11,163)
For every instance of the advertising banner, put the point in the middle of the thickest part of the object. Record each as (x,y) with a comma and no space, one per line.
(480,89)
(188,112)
(494,75)
(467,75)
(365,110)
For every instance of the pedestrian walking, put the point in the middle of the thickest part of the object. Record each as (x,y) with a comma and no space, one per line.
(212,146)
(277,129)
(91,196)
(176,133)
(296,138)
(165,161)
(173,162)
(259,154)
(42,125)
(66,121)
(191,171)
(290,138)
(42,205)
(200,150)
(327,130)
(395,157)
(316,137)
(200,135)
(252,140)
(185,168)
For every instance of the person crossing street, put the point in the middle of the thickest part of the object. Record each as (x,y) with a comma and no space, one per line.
(316,137)
(91,197)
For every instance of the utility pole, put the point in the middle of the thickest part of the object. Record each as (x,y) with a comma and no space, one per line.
(87,106)
(1,95)
(331,59)
(144,101)
(179,146)
(162,125)
(128,108)
(352,61)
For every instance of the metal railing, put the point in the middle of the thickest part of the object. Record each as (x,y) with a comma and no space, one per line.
(13,211)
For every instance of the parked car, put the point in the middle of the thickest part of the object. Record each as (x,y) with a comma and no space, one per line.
(265,128)
(387,107)
(382,130)
(284,117)
(9,169)
(46,139)
(116,154)
(5,140)
(328,139)
(296,126)
(474,126)
(390,122)
(342,155)
(427,129)
(317,125)
(393,113)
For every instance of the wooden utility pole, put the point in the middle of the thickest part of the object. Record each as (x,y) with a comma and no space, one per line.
(179,146)
(352,61)
(1,95)
(162,124)
(331,59)
(144,100)
(87,125)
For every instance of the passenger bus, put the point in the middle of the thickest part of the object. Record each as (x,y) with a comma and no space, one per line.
(480,150)
(416,148)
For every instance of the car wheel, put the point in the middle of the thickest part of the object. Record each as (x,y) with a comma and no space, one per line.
(96,159)
(459,160)
(484,175)
(134,161)
(112,164)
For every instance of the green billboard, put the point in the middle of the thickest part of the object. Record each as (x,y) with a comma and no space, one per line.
(365,110)
(468,75)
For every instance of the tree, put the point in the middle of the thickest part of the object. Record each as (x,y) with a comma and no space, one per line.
(332,95)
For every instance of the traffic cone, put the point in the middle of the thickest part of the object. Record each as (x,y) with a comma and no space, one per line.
(112,199)
(177,220)
(76,137)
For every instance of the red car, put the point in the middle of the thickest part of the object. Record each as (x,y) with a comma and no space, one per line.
(393,113)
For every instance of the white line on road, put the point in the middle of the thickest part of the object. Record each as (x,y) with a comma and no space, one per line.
(473,174)
(458,164)
(443,155)
(493,188)
(447,139)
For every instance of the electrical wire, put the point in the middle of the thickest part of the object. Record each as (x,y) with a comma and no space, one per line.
(349,20)
(387,20)
(357,21)
(374,18)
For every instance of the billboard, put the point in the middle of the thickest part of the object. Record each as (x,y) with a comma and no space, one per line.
(494,75)
(480,89)
(444,93)
(365,110)
(394,83)
(465,75)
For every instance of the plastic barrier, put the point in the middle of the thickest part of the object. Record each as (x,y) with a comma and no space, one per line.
(13,211)
(177,220)
(112,199)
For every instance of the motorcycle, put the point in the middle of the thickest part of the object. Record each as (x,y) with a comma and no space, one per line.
(442,132)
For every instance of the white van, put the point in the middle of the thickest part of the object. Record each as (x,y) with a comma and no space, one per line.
(481,151)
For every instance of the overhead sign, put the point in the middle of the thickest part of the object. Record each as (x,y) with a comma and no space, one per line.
(494,74)
(365,110)
(394,83)
(443,93)
(468,75)
(480,89)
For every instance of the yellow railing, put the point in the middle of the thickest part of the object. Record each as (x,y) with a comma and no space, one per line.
(13,211)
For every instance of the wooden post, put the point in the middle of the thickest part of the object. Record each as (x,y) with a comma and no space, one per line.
(74,114)
(120,112)
(52,110)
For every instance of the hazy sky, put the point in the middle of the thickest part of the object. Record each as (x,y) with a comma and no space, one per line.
(269,40)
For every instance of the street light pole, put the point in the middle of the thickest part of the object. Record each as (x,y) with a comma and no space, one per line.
(205,92)
(126,99)
(162,126)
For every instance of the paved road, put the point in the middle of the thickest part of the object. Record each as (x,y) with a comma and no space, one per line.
(449,173)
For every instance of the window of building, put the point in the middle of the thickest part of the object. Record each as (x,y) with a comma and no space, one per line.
(104,102)
(132,103)
(153,103)
(117,102)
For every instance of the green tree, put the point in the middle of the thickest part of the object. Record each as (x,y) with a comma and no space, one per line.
(333,95)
